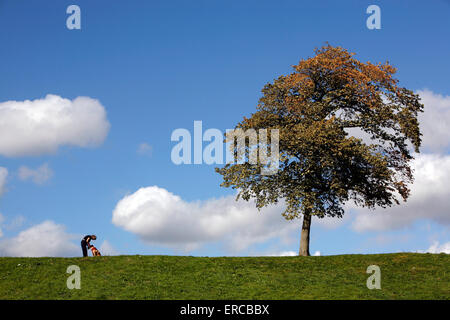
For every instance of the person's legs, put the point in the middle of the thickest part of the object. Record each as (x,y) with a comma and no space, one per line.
(83,247)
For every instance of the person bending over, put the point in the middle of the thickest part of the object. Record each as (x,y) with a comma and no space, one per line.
(85,243)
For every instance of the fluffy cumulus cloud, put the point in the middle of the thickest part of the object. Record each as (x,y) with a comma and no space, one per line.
(47,239)
(282,254)
(289,254)
(430,195)
(41,126)
(429,199)
(434,121)
(159,217)
(437,248)
(39,175)
(3,176)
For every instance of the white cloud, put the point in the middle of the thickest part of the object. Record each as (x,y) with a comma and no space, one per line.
(430,195)
(283,254)
(47,239)
(145,149)
(106,249)
(160,217)
(3,176)
(41,126)
(289,254)
(434,121)
(39,175)
(436,248)
(429,199)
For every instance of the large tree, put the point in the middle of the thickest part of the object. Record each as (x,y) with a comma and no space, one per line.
(323,164)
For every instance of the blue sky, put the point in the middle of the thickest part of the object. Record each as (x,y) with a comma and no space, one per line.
(155,66)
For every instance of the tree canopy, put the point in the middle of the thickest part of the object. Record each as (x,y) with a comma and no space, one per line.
(322,164)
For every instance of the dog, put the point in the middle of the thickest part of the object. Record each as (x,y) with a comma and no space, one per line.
(95,252)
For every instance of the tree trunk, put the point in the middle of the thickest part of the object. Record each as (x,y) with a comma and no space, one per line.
(304,237)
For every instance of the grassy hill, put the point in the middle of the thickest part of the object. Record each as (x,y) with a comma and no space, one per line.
(403,276)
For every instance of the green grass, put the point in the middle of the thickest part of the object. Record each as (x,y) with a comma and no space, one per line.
(403,276)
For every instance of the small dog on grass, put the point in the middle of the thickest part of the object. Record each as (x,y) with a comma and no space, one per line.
(95,252)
